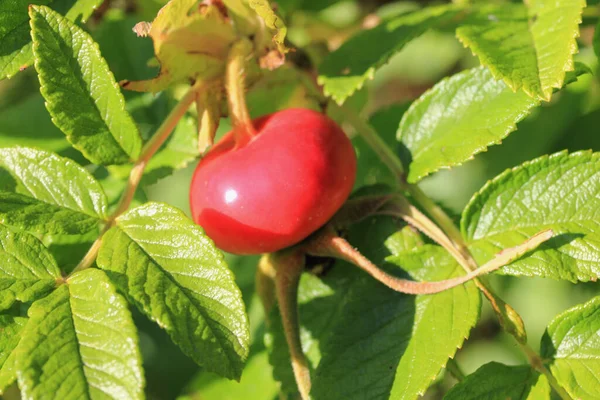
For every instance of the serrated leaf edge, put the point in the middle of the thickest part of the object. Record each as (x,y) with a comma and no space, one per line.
(44,10)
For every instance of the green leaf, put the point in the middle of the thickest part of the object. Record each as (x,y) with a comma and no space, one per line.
(10,335)
(458,118)
(347,69)
(80,343)
(27,269)
(321,298)
(528,47)
(401,342)
(15,40)
(367,341)
(175,275)
(81,93)
(496,381)
(572,344)
(558,192)
(46,193)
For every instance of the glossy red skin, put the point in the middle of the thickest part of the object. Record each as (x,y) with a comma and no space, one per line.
(276,189)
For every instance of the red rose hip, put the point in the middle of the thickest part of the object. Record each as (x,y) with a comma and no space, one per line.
(274,189)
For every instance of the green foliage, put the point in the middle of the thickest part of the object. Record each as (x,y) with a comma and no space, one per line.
(496,381)
(48,194)
(27,269)
(80,343)
(459,118)
(571,344)
(347,69)
(558,192)
(15,41)
(83,239)
(272,21)
(173,273)
(11,327)
(530,47)
(364,339)
(80,91)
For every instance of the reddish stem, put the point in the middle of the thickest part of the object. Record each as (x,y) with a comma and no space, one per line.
(331,245)
(289,267)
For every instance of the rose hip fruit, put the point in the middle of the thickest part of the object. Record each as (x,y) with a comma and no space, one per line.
(269,191)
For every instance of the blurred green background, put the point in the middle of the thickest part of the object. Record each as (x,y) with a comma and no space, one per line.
(570,121)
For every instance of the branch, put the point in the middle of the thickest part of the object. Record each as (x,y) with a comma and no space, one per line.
(329,244)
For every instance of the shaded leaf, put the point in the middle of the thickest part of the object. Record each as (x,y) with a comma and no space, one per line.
(27,269)
(458,118)
(496,381)
(80,343)
(15,40)
(27,123)
(174,274)
(46,193)
(366,341)
(401,342)
(572,344)
(80,91)
(528,47)
(347,69)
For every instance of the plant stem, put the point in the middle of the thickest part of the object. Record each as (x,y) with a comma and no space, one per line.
(508,317)
(538,364)
(91,254)
(387,156)
(136,173)
(454,369)
(329,244)
(289,267)
(264,282)
(236,89)
(443,220)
